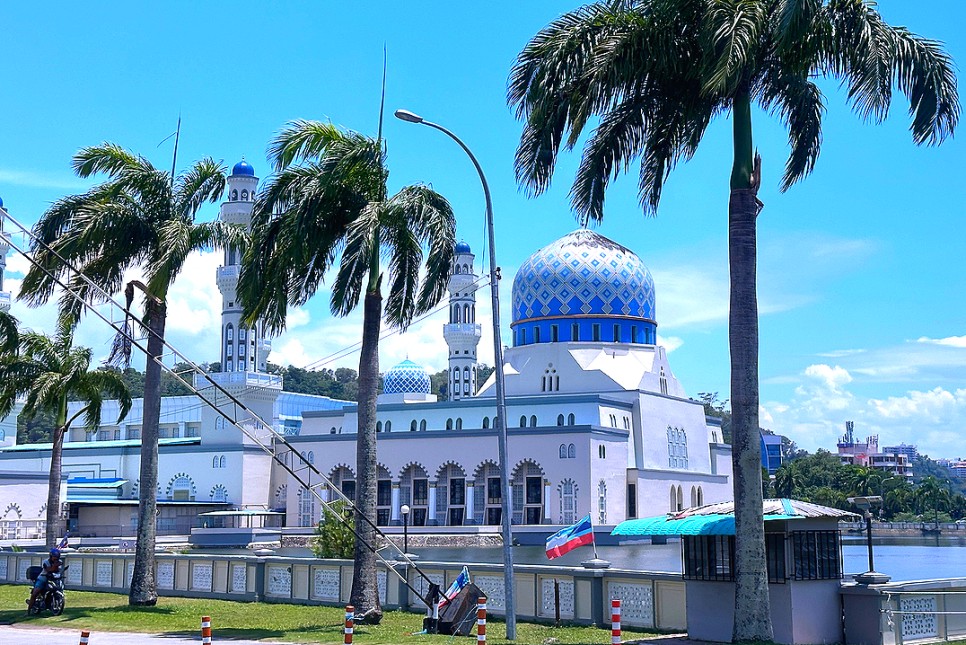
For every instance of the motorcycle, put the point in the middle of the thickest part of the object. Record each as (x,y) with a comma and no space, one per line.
(51,598)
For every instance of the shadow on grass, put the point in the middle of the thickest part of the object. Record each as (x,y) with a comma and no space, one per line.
(13,616)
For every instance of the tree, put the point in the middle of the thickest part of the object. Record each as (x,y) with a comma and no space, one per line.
(140,218)
(932,494)
(327,207)
(652,75)
(48,372)
(333,538)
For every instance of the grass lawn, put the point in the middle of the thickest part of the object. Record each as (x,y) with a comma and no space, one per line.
(295,623)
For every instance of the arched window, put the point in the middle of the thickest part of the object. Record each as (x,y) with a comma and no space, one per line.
(449,424)
(234,195)
(571,419)
(486,422)
(466,378)
(533,421)
(560,419)
(575,332)
(241,334)
(677,448)
(523,421)
(459,269)
(680,498)
(700,496)
(663,382)
(602,451)
(694,497)
(388,426)
(229,365)
(229,332)
(627,423)
(221,462)
(473,314)
(378,426)
(303,457)
(673,506)
(311,457)
(459,423)
(182,488)
(219,493)
(466,313)
(602,502)
(563,451)
(571,451)
(332,430)
(568,501)
(214,461)
(412,425)
(422,424)
(306,508)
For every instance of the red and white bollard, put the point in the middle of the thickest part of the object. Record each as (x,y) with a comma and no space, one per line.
(349,619)
(615,622)
(481,619)
(85,636)
(206,630)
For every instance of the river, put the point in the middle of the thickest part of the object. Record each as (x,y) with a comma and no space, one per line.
(903,558)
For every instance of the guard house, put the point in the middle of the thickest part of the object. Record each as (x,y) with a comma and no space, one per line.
(803,547)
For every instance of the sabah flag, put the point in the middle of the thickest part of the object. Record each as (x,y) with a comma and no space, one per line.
(568,539)
(63,543)
(461,581)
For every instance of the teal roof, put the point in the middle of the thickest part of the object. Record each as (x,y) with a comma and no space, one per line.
(691,525)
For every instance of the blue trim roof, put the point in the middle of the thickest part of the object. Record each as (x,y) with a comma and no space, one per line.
(691,525)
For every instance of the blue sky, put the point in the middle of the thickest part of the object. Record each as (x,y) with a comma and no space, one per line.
(861,266)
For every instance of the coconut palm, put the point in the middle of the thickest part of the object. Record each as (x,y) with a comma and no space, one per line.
(48,372)
(327,208)
(652,75)
(932,494)
(139,218)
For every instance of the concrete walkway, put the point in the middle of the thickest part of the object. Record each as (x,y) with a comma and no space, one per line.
(55,636)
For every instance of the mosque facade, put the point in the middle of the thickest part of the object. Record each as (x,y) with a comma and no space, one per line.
(597,422)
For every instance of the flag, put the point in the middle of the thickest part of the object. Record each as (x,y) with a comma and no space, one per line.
(461,581)
(568,539)
(63,543)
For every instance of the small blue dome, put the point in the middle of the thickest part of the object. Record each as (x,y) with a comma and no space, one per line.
(243,168)
(406,378)
(1,202)
(462,247)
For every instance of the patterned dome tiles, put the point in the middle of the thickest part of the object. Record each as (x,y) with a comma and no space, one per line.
(406,378)
(583,273)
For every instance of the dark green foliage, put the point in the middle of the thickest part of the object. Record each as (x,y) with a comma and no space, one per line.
(333,537)
(36,429)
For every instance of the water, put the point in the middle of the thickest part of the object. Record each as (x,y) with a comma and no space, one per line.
(903,558)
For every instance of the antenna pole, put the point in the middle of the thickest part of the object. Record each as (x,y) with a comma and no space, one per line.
(174,157)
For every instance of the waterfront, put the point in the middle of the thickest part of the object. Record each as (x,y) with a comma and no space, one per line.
(903,558)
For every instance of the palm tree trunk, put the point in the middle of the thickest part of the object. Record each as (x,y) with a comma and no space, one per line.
(365,592)
(53,483)
(143,584)
(752,614)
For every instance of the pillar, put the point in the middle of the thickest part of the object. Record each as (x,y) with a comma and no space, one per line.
(469,517)
(394,511)
(431,511)
(546,501)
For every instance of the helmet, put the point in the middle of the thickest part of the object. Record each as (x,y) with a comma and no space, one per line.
(55,553)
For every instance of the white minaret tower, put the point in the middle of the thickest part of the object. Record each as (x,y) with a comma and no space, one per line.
(462,333)
(243,349)
(4,248)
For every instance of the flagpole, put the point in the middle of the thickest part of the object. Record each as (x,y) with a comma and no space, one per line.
(593,539)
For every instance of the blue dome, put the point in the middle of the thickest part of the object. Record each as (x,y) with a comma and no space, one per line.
(406,378)
(1,202)
(243,168)
(462,247)
(583,287)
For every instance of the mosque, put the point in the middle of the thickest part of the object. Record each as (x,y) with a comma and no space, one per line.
(597,422)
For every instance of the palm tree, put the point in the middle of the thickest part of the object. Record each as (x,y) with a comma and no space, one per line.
(788,480)
(933,494)
(327,207)
(140,218)
(653,74)
(48,372)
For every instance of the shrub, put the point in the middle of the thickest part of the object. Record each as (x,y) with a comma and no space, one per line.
(333,536)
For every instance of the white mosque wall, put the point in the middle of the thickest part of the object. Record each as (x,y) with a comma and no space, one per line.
(23,503)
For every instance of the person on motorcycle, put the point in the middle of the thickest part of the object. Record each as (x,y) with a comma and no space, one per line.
(50,566)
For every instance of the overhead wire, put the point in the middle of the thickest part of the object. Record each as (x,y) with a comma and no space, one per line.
(215,405)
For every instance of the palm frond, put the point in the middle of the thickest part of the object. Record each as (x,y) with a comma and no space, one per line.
(302,139)
(203,182)
(801,105)
(925,73)
(361,242)
(9,334)
(108,158)
(734,28)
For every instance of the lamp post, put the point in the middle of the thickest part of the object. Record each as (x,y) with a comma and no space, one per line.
(405,513)
(865,504)
(500,420)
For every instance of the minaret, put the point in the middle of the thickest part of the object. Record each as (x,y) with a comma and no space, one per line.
(462,333)
(4,248)
(242,349)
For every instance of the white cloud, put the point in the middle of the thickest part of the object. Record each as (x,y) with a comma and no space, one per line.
(949,341)
(669,343)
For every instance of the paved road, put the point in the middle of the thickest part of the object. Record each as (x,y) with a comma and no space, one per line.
(50,636)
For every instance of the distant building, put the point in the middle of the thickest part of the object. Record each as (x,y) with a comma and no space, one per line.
(772,454)
(865,452)
(957,468)
(911,452)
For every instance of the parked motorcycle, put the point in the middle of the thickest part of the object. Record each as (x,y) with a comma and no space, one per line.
(51,598)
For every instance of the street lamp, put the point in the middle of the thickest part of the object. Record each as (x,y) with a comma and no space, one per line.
(500,421)
(405,513)
(865,504)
